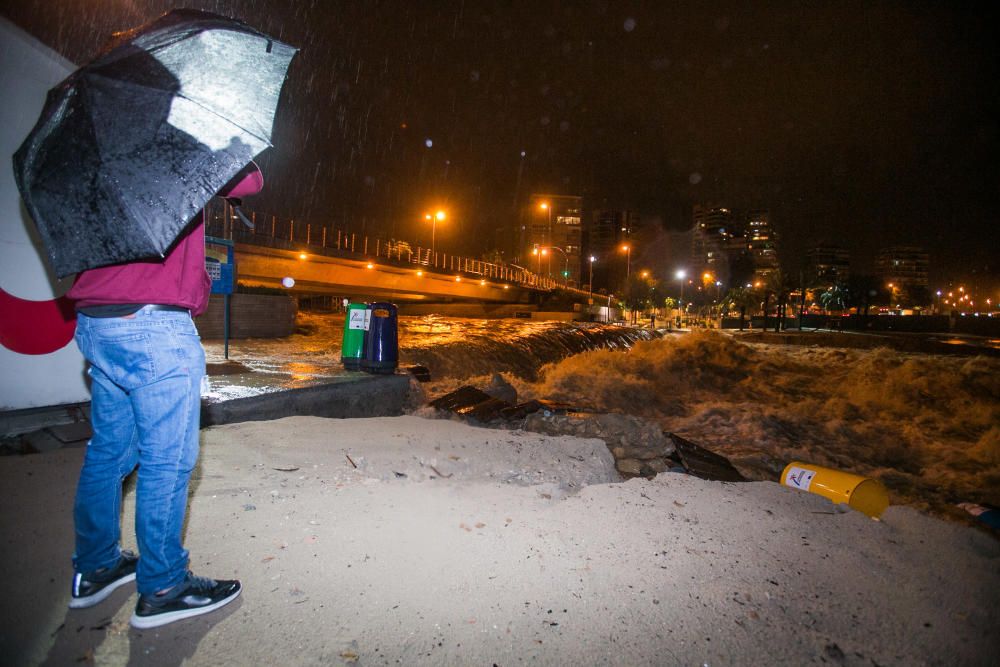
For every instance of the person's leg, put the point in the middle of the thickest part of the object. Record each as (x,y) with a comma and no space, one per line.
(110,457)
(167,414)
(98,562)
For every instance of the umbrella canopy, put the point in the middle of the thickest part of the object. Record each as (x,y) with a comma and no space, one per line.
(132,145)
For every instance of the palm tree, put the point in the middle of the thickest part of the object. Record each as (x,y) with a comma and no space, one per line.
(834,298)
(779,285)
(741,298)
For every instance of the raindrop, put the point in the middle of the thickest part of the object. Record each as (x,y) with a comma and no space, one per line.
(629,24)
(288,282)
(694,178)
(428,143)
(523,153)
(474,76)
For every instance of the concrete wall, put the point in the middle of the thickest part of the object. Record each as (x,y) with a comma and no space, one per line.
(53,375)
(251,316)
(476,310)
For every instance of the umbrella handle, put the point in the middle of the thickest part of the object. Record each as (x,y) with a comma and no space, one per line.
(239,213)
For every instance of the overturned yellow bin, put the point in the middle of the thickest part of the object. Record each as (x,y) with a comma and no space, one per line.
(861,493)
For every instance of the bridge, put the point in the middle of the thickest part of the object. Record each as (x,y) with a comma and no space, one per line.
(324,260)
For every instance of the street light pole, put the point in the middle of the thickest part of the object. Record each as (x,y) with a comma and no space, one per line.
(565,263)
(628,261)
(545,206)
(590,282)
(433,218)
(681,275)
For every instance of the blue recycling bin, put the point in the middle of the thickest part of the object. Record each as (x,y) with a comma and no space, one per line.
(382,341)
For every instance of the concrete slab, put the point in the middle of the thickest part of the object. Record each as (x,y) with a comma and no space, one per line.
(351,395)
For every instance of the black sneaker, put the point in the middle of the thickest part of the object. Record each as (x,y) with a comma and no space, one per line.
(89,588)
(192,597)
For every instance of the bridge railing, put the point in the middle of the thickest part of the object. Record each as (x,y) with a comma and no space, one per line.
(272,232)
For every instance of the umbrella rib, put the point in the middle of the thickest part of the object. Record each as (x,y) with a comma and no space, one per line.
(226,119)
(186,97)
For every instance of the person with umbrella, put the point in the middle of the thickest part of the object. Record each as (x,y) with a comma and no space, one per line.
(135,328)
(126,153)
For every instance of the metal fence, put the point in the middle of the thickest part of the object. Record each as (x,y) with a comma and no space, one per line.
(288,234)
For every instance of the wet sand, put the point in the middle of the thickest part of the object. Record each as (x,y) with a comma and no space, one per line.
(454,545)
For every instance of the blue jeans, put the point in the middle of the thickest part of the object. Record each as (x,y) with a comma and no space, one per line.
(146,373)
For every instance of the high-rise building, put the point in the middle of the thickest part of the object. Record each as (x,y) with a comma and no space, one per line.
(828,265)
(762,243)
(553,237)
(716,233)
(608,230)
(903,271)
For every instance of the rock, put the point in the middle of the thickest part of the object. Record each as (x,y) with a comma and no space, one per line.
(501,389)
(626,436)
(629,467)
(659,465)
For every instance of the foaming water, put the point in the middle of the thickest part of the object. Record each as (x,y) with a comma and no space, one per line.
(927,426)
(454,349)
(458,348)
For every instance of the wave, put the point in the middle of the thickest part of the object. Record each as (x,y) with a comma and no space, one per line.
(927,426)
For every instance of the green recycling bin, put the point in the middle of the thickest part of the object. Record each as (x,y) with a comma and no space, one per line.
(352,349)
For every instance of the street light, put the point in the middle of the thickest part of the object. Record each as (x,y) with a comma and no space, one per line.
(545,206)
(565,264)
(548,230)
(590,282)
(627,249)
(681,275)
(433,218)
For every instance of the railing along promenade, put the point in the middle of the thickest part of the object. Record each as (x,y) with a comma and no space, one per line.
(272,232)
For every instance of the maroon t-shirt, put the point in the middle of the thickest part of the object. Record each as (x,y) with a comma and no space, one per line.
(179,279)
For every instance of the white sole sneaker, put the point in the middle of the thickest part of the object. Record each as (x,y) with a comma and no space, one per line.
(155,620)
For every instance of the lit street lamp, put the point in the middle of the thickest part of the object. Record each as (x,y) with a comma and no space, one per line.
(548,210)
(627,249)
(565,264)
(433,218)
(681,275)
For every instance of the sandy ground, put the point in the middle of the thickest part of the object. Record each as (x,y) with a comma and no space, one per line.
(454,545)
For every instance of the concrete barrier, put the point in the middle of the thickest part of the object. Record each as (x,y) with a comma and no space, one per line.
(251,316)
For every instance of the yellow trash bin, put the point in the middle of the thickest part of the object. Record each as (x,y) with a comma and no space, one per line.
(861,493)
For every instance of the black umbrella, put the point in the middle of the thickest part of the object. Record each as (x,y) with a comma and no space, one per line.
(132,145)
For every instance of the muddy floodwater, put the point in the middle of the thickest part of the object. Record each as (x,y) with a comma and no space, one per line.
(928,426)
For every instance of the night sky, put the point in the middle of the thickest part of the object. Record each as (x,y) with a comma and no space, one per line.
(859,123)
